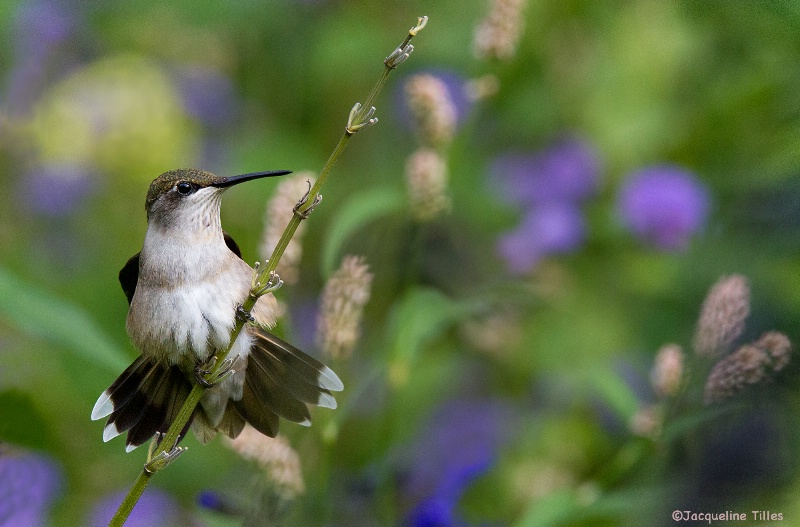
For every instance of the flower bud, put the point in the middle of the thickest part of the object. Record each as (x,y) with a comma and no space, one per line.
(426,181)
(343,300)
(278,214)
(497,35)
(732,374)
(435,114)
(722,316)
(667,372)
(275,455)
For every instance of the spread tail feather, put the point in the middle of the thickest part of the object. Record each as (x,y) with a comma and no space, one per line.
(280,381)
(144,400)
(231,425)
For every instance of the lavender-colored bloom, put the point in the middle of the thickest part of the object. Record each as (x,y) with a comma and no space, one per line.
(439,509)
(56,189)
(458,445)
(551,228)
(154,508)
(43,23)
(304,316)
(208,95)
(566,171)
(663,205)
(218,502)
(39,28)
(208,499)
(29,483)
(456,88)
(433,512)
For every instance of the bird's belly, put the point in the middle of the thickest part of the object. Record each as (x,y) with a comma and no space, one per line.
(182,325)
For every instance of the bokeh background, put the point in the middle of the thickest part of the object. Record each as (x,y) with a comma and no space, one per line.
(605,163)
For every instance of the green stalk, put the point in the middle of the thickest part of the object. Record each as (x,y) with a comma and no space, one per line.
(360,117)
(130,500)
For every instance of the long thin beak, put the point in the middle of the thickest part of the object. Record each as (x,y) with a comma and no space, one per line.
(235,180)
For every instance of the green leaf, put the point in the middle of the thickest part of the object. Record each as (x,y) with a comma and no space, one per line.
(569,506)
(36,312)
(689,421)
(551,510)
(615,392)
(419,317)
(360,209)
(20,421)
(214,519)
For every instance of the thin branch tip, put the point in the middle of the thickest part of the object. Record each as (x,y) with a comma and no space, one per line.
(399,56)
(421,23)
(360,119)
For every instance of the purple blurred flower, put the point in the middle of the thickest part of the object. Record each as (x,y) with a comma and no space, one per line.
(433,512)
(208,95)
(218,502)
(552,228)
(154,508)
(29,483)
(663,205)
(456,88)
(56,189)
(39,28)
(566,171)
(42,23)
(458,445)
(208,499)
(550,184)
(303,316)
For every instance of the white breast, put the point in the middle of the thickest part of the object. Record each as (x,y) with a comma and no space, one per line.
(185,300)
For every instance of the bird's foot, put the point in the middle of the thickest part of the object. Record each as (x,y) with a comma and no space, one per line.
(207,376)
(243,314)
(300,209)
(163,458)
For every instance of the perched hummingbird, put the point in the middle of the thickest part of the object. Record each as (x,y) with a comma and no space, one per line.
(184,289)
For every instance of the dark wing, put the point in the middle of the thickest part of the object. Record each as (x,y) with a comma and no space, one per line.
(232,245)
(129,274)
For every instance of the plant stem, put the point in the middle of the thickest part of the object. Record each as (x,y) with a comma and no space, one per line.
(130,500)
(361,119)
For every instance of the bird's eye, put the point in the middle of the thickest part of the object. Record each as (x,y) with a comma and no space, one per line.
(184,188)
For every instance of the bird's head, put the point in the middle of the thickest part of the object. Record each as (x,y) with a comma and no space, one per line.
(188,197)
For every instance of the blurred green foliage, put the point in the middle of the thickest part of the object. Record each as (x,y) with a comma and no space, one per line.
(709,85)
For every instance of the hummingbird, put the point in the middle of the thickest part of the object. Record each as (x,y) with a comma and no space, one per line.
(184,290)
